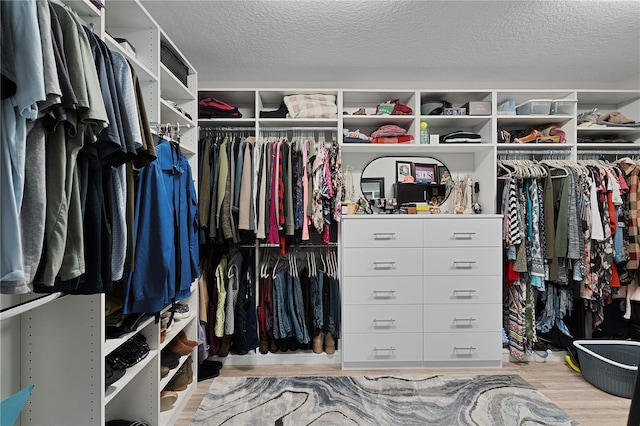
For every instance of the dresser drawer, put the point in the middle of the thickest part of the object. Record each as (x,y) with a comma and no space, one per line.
(463,261)
(462,318)
(462,290)
(461,347)
(381,261)
(382,319)
(389,232)
(381,290)
(472,232)
(392,347)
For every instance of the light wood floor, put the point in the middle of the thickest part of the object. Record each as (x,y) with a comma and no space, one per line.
(567,389)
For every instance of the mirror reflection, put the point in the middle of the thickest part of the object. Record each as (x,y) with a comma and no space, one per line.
(407,180)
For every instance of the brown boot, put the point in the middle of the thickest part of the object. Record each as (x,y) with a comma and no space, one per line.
(182,336)
(264,343)
(179,382)
(318,342)
(329,344)
(176,346)
(188,363)
(225,345)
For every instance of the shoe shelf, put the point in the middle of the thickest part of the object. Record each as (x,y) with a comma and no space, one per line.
(112,344)
(166,379)
(129,375)
(176,327)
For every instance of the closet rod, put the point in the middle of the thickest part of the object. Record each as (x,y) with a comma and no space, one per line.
(308,245)
(534,151)
(23,307)
(606,151)
(284,129)
(228,128)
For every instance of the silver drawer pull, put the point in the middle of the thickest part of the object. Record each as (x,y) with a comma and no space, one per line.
(463,264)
(466,320)
(389,349)
(383,265)
(384,235)
(463,293)
(379,294)
(464,348)
(384,320)
(463,235)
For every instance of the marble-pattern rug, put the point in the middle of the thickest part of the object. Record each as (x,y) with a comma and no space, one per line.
(377,400)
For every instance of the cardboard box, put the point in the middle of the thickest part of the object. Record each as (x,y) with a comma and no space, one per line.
(478,108)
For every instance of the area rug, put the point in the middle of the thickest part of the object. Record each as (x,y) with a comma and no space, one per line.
(377,400)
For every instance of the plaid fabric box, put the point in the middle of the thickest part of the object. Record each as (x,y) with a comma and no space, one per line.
(311,106)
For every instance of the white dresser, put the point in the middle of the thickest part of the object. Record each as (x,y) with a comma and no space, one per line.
(421,291)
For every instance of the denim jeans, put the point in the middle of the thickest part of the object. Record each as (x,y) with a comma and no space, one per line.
(333,325)
(281,323)
(291,310)
(317,300)
(303,337)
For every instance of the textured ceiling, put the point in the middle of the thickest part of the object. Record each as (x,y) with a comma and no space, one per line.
(493,41)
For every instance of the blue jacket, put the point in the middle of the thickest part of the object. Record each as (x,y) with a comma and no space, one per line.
(165,240)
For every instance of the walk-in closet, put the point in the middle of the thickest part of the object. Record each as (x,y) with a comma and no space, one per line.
(194,196)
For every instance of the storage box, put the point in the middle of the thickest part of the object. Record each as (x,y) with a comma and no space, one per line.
(563,106)
(508,107)
(478,108)
(173,62)
(534,107)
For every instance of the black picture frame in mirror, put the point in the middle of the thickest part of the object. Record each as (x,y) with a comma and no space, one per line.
(372,186)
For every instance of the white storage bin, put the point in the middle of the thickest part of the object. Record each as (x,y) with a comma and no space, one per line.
(563,106)
(534,107)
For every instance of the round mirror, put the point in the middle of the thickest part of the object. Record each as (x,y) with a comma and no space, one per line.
(407,180)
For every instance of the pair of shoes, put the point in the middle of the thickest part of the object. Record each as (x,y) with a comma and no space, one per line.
(169,359)
(167,399)
(181,311)
(553,134)
(179,381)
(129,353)
(176,346)
(112,375)
(209,369)
(182,335)
(360,111)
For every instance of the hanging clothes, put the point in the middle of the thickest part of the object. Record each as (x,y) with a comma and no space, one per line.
(166,262)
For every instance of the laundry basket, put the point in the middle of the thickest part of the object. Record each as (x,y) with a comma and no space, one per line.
(610,365)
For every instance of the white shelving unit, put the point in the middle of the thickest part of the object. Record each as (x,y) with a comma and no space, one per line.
(59,343)
(476,159)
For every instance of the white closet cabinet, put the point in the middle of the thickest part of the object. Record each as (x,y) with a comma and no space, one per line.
(421,291)
(60,346)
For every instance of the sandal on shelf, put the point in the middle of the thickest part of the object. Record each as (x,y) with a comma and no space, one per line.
(531,135)
(361,111)
(553,134)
